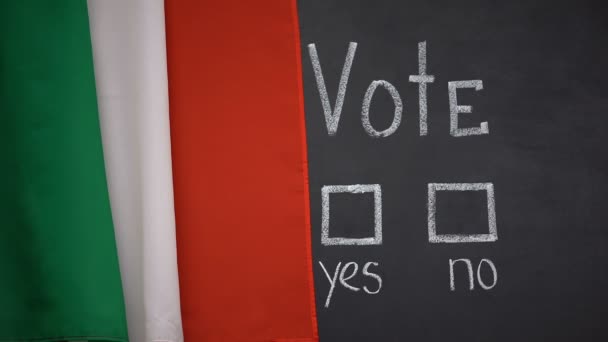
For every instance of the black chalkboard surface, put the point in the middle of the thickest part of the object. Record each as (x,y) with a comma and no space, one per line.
(503,186)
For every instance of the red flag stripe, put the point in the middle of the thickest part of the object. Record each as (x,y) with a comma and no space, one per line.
(240,172)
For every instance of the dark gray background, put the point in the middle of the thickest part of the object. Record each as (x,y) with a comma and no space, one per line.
(544,66)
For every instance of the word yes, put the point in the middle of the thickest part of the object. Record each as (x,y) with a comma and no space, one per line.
(340,275)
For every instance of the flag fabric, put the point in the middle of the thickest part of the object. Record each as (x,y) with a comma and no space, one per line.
(59,273)
(240,171)
(237,145)
(130,67)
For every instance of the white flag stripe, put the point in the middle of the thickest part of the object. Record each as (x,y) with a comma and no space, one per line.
(131,77)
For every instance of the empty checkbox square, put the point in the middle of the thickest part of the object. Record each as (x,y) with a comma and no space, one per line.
(347,210)
(470,218)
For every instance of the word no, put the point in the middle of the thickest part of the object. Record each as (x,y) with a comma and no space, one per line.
(332,116)
(467,262)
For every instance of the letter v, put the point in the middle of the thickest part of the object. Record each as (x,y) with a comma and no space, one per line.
(332,118)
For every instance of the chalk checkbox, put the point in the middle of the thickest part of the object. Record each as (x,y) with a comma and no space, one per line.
(327,190)
(433,188)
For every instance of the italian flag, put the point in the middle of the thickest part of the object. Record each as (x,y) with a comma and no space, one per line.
(154,172)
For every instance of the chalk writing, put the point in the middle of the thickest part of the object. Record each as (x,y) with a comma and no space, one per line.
(433,188)
(469,266)
(343,278)
(353,189)
(367,100)
(422,79)
(455,109)
(332,118)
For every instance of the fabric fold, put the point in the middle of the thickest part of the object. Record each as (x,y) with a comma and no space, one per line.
(130,65)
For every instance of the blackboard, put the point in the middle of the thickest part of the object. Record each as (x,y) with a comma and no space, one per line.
(541,247)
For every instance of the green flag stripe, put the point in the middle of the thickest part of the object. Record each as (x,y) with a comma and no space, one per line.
(59,276)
